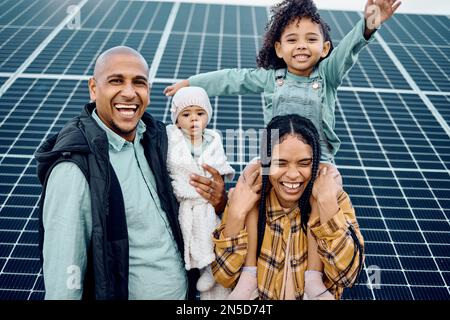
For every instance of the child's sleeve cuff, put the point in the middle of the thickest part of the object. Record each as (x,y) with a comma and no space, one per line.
(230,244)
(332,228)
(363,28)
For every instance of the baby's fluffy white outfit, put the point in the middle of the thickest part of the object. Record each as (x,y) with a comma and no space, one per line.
(197,217)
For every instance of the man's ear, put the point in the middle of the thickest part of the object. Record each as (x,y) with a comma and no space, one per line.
(278,49)
(92,89)
(326,49)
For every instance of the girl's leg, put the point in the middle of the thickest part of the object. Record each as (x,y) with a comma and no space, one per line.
(314,262)
(314,286)
(251,223)
(246,288)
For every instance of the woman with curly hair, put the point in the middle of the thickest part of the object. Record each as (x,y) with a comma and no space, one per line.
(299,72)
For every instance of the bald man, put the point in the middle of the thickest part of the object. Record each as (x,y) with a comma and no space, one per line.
(108,216)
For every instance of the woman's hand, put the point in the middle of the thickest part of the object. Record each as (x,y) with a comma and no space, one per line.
(378,11)
(172,89)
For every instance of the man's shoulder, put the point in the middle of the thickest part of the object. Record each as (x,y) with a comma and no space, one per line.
(69,145)
(154,127)
(149,120)
(73,136)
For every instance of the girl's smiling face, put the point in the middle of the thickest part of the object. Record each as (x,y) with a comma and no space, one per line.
(301,46)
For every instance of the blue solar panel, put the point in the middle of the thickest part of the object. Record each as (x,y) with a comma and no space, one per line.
(441,103)
(392,116)
(34,13)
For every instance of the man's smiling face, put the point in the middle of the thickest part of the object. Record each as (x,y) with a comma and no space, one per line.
(121,91)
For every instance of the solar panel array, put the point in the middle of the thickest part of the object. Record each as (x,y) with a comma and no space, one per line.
(392,117)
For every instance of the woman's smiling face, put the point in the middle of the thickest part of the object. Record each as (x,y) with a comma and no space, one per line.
(290,169)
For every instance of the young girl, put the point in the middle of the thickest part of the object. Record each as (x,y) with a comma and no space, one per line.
(190,146)
(299,73)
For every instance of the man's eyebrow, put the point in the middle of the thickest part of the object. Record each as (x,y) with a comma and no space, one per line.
(141,78)
(115,75)
(119,75)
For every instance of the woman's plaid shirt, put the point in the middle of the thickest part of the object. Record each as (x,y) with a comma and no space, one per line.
(336,248)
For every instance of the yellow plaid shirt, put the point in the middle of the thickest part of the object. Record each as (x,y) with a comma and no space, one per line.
(336,248)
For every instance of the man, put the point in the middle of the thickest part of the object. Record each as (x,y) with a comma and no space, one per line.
(108,225)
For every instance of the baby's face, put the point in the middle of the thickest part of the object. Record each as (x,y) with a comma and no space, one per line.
(193,120)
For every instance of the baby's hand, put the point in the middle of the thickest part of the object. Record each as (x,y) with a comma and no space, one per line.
(171,90)
(378,11)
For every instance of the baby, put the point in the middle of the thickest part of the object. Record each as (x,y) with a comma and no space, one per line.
(190,146)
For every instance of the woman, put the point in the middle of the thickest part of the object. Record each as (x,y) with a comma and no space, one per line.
(294,198)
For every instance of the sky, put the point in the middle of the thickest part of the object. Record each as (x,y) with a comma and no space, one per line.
(441,7)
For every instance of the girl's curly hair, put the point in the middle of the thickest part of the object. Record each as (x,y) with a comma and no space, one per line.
(283,14)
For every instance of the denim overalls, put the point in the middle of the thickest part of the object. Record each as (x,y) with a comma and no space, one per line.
(303,98)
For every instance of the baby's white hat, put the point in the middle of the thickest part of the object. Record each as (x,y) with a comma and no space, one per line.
(190,96)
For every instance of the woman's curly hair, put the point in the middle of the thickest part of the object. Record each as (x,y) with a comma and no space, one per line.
(283,14)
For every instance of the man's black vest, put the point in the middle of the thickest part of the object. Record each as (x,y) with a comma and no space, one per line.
(84,143)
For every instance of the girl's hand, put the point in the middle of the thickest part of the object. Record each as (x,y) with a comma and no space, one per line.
(378,11)
(244,196)
(171,90)
(331,169)
(324,197)
(326,185)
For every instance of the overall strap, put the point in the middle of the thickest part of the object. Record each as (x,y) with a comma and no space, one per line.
(280,73)
(280,76)
(315,74)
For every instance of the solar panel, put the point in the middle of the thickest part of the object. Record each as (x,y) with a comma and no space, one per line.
(392,116)
(441,103)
